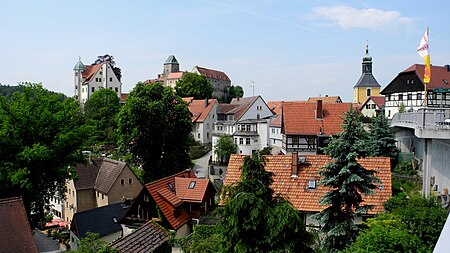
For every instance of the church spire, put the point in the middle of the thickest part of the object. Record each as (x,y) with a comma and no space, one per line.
(367,61)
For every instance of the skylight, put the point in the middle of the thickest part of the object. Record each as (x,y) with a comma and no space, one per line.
(445,81)
(312,184)
(192,185)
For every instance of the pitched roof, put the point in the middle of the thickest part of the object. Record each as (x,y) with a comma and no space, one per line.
(146,238)
(191,189)
(238,106)
(295,189)
(167,204)
(378,100)
(200,108)
(275,106)
(326,99)
(171,60)
(108,173)
(276,122)
(367,80)
(214,74)
(90,72)
(15,231)
(175,75)
(86,174)
(102,220)
(300,118)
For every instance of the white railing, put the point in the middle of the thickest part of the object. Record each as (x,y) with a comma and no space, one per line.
(434,118)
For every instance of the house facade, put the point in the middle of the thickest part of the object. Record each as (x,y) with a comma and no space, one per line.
(181,198)
(372,106)
(407,89)
(296,178)
(247,121)
(204,115)
(100,182)
(91,78)
(218,79)
(306,127)
(367,85)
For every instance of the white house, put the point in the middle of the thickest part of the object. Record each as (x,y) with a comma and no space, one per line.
(247,121)
(204,115)
(372,106)
(93,77)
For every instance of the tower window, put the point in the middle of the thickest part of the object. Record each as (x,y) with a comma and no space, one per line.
(369,92)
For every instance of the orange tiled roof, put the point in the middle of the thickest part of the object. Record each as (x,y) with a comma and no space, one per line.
(295,189)
(90,72)
(241,105)
(275,106)
(167,204)
(194,194)
(326,99)
(276,122)
(214,74)
(378,100)
(300,118)
(198,109)
(175,75)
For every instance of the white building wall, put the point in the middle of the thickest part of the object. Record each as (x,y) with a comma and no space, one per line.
(369,109)
(393,103)
(208,125)
(275,137)
(259,109)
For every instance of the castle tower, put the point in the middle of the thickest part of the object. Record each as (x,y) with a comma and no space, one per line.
(78,78)
(367,85)
(171,65)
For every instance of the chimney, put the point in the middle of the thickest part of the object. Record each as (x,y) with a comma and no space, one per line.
(294,165)
(319,110)
(186,173)
(206,102)
(447,67)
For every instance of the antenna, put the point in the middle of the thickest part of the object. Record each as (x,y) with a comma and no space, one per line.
(253,88)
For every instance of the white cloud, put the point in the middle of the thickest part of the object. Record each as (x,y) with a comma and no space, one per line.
(374,19)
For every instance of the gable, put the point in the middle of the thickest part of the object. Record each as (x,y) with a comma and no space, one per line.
(255,108)
(108,173)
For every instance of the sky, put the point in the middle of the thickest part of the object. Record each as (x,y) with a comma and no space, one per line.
(289,49)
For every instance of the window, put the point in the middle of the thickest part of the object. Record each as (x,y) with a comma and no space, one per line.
(235,140)
(192,185)
(259,107)
(207,125)
(409,97)
(170,186)
(93,89)
(130,180)
(400,97)
(273,130)
(207,136)
(274,141)
(110,79)
(369,92)
(367,106)
(247,128)
(110,88)
(419,96)
(116,89)
(103,196)
(312,184)
(388,97)
(122,181)
(241,141)
(295,140)
(198,136)
(247,141)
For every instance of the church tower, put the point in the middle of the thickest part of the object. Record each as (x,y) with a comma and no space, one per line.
(78,70)
(171,65)
(367,85)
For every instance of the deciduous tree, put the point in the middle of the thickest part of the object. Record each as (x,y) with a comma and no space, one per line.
(41,134)
(155,125)
(348,181)
(254,220)
(101,110)
(194,85)
(224,148)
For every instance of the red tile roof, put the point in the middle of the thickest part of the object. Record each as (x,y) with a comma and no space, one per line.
(90,72)
(378,100)
(175,75)
(438,75)
(198,109)
(159,188)
(275,106)
(326,99)
(276,122)
(214,74)
(239,106)
(146,238)
(295,189)
(194,194)
(15,231)
(300,118)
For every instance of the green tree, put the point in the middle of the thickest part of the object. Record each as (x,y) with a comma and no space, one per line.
(101,110)
(232,92)
(41,135)
(381,138)
(194,85)
(224,148)
(155,125)
(401,108)
(204,239)
(92,244)
(254,220)
(348,181)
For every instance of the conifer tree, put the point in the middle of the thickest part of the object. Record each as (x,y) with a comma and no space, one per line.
(348,181)
(254,220)
(381,138)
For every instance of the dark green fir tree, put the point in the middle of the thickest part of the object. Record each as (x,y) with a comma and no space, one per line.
(348,182)
(381,138)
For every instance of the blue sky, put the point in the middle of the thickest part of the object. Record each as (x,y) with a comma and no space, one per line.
(290,49)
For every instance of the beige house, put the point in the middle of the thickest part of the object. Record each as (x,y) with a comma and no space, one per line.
(100,182)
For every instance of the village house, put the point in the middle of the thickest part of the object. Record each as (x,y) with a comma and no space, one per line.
(218,79)
(204,115)
(408,90)
(247,121)
(306,127)
(93,77)
(100,182)
(296,178)
(373,106)
(181,199)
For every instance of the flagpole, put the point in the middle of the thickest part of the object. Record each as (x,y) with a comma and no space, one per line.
(425,89)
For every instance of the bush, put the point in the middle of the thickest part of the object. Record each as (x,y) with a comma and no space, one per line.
(405,168)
